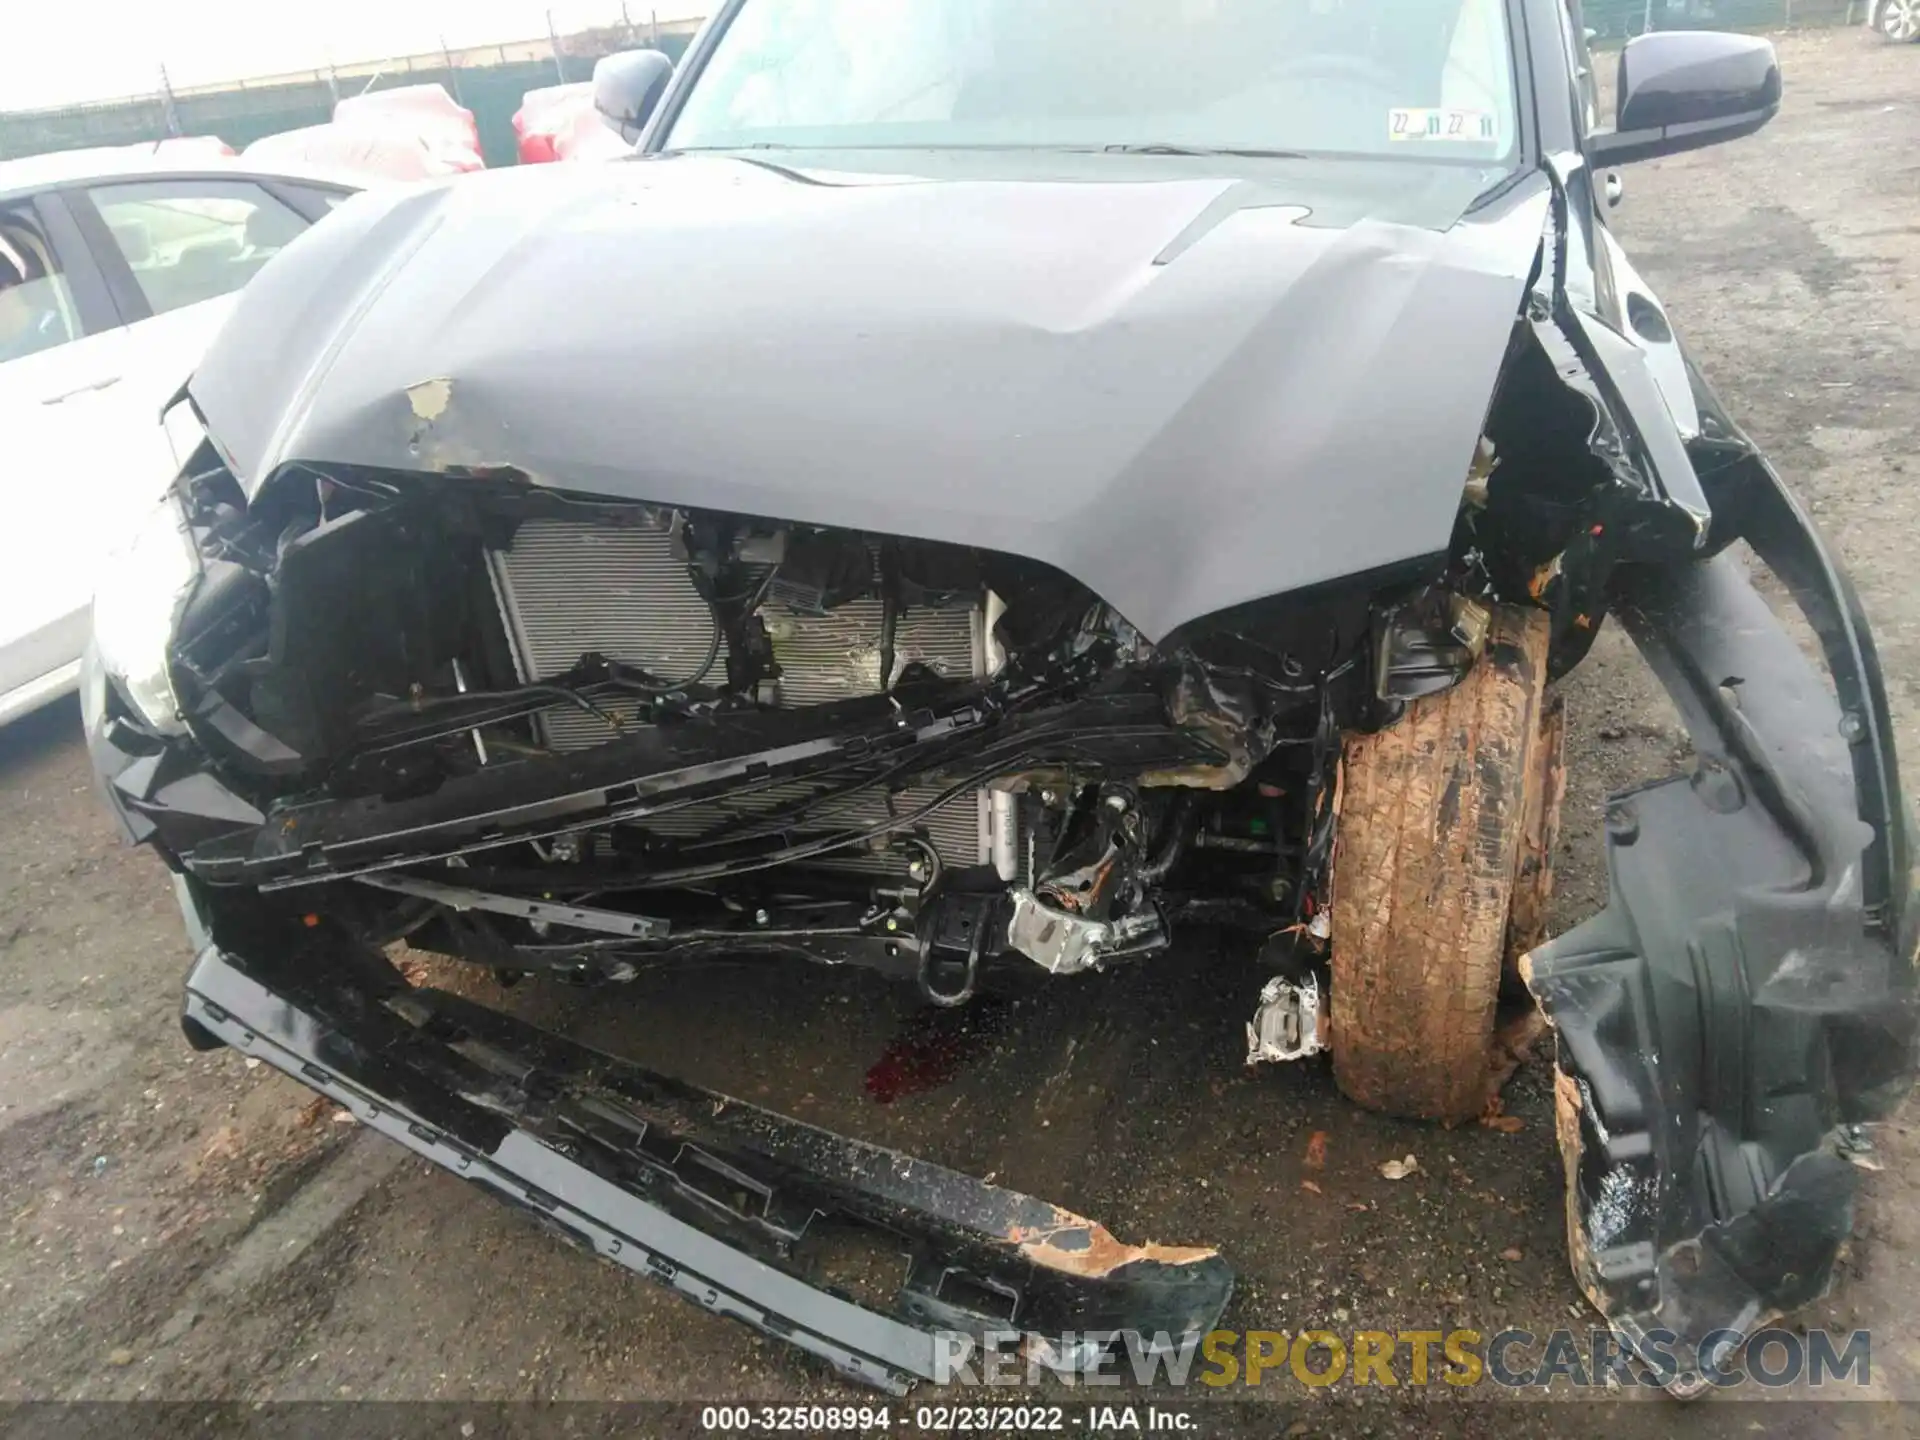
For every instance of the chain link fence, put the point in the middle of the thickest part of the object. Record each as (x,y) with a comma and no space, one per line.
(1623,19)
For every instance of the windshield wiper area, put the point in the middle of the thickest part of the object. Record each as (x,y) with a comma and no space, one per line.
(1162,149)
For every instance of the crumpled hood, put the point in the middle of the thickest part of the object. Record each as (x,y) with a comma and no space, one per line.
(1184,391)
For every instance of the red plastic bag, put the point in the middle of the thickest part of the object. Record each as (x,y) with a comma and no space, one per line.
(586,136)
(425,112)
(536,106)
(560,123)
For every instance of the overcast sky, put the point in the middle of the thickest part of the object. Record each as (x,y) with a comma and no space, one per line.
(53,53)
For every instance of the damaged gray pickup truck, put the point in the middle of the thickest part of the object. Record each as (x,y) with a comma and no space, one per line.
(991,486)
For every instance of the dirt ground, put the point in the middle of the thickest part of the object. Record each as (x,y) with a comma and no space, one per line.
(192,1227)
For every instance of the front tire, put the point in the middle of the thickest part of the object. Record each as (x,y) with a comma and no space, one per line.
(1433,811)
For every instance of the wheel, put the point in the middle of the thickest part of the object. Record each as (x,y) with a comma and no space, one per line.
(1898,19)
(1433,812)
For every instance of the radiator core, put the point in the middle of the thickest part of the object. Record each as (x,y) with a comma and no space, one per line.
(568,588)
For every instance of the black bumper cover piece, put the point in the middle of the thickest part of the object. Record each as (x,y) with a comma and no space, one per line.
(706,1194)
(1748,993)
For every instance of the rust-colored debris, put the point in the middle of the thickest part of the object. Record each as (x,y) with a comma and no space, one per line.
(224,1145)
(309,1114)
(1496,1118)
(1316,1157)
(1512,1046)
(1567,1104)
(1075,1245)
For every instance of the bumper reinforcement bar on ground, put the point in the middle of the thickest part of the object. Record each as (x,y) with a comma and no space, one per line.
(716,1198)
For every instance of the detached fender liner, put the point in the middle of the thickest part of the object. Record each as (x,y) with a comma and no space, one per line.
(707,1194)
(1749,991)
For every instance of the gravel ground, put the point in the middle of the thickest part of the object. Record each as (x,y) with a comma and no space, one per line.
(194,1228)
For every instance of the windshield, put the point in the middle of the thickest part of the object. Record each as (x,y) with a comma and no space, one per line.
(1432,78)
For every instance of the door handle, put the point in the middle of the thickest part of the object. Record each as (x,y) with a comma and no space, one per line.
(91,388)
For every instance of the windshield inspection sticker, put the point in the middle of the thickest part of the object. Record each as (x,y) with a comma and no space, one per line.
(1411,124)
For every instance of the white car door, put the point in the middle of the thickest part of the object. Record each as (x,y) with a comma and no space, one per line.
(62,355)
(85,415)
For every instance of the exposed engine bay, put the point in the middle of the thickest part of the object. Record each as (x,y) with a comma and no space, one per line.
(551,732)
(858,748)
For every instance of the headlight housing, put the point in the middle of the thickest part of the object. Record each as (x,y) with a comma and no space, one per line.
(134,606)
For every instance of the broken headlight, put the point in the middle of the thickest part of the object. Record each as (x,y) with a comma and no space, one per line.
(139,594)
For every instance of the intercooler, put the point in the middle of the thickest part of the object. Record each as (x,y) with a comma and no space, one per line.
(568,588)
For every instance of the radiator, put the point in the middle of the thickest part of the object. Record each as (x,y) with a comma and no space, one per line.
(567,588)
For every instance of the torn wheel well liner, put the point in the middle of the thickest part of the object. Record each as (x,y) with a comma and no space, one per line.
(1750,987)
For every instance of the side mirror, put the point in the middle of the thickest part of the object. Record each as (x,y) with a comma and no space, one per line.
(627,87)
(1682,89)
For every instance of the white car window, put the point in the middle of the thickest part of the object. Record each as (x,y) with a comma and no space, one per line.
(192,240)
(36,307)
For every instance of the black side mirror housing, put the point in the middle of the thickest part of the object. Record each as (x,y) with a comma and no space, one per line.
(1683,89)
(627,87)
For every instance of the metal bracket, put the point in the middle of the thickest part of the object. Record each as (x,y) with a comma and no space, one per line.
(455,897)
(1286,1026)
(950,959)
(1066,944)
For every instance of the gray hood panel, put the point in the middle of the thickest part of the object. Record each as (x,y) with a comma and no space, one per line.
(1186,393)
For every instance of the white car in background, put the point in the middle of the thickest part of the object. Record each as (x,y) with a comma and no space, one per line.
(116,269)
(1895,19)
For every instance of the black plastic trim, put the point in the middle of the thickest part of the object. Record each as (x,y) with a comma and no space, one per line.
(1748,993)
(577,1135)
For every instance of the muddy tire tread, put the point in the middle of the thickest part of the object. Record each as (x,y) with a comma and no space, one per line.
(1431,822)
